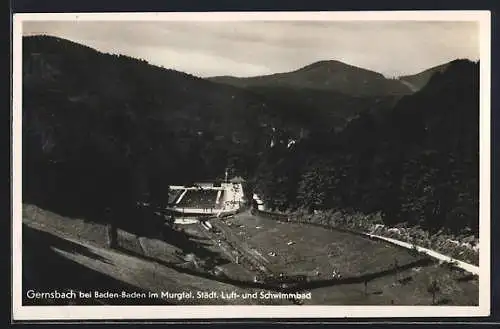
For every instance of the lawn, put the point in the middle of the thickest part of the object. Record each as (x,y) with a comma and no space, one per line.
(301,249)
(289,248)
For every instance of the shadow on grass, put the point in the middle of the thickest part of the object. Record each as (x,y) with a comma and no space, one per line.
(466,278)
(30,234)
(187,243)
(194,237)
(277,285)
(44,270)
(142,222)
(361,278)
(47,263)
(202,273)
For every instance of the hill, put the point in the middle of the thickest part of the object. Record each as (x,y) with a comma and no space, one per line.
(320,110)
(104,131)
(109,129)
(328,75)
(419,80)
(324,95)
(416,163)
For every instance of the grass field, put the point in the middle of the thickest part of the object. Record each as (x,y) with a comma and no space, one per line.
(304,249)
(289,248)
(56,257)
(294,248)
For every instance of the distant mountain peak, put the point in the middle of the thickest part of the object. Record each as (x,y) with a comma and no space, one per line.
(325,63)
(419,80)
(333,65)
(325,75)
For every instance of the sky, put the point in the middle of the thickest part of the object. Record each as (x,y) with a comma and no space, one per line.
(251,48)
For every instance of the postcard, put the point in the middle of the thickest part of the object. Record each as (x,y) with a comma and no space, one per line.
(236,165)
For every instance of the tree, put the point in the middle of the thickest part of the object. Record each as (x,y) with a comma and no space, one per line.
(433,289)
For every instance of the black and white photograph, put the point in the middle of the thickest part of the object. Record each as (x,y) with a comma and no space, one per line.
(266,165)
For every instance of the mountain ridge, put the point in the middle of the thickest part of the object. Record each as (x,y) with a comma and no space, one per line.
(418,80)
(128,126)
(327,75)
(416,163)
(103,130)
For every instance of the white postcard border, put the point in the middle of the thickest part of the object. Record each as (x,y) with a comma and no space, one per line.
(235,312)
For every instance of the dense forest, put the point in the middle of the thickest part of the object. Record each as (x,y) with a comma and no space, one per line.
(102,130)
(417,163)
(105,131)
(324,95)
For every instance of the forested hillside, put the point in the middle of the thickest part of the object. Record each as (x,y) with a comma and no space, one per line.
(419,80)
(104,130)
(328,75)
(417,164)
(325,95)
